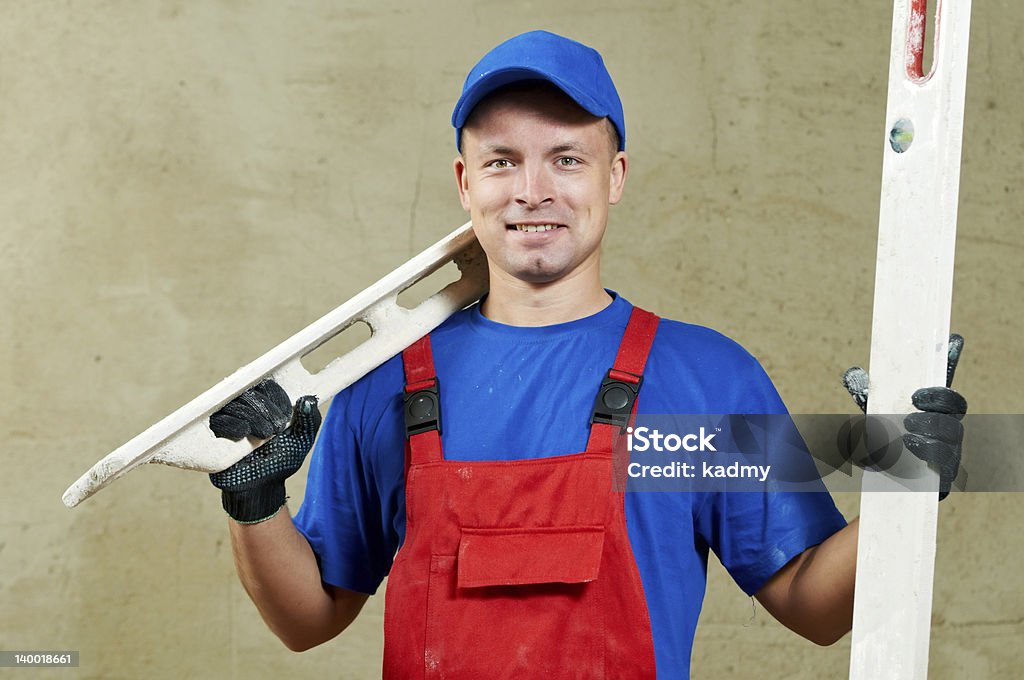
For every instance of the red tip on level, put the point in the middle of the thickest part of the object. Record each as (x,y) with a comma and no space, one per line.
(915,39)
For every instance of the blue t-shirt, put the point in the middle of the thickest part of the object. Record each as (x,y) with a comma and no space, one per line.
(526,392)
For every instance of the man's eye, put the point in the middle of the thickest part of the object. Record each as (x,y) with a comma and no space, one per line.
(500,164)
(568,161)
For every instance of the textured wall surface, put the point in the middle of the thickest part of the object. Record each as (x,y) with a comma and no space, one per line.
(185,184)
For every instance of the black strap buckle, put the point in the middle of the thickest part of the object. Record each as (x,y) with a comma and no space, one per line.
(423,410)
(615,399)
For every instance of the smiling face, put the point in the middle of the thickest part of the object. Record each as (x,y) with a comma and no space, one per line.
(537,174)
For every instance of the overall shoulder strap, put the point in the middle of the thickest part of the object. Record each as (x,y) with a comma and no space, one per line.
(615,405)
(421,404)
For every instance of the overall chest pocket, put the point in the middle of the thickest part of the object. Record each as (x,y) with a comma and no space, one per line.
(517,602)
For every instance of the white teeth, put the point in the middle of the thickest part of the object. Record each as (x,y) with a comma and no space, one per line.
(536,227)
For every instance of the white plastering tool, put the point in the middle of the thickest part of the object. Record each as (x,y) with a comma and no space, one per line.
(183,439)
(910,331)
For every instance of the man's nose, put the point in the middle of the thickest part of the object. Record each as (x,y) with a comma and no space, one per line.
(534,186)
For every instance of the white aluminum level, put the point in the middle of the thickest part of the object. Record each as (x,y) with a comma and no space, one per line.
(183,439)
(910,330)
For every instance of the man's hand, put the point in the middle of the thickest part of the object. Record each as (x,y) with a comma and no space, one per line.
(260,412)
(934,433)
(252,490)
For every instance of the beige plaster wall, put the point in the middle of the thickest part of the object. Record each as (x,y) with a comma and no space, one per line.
(185,184)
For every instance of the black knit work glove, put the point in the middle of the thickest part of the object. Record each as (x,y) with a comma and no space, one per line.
(252,490)
(934,433)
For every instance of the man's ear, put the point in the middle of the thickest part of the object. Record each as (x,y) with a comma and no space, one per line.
(620,168)
(462,181)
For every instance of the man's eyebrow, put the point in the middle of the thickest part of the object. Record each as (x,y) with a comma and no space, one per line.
(569,146)
(499,149)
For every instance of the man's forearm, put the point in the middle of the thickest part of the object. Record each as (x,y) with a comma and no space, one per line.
(813,594)
(278,569)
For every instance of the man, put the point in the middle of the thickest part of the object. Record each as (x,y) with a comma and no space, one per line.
(515,556)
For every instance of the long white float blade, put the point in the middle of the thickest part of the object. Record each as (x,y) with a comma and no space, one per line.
(183,439)
(910,331)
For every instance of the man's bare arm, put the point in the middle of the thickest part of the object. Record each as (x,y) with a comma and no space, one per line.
(813,594)
(279,571)
(274,561)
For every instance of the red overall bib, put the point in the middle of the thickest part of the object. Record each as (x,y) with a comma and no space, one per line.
(518,568)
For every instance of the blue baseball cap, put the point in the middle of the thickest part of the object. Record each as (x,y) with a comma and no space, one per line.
(573,67)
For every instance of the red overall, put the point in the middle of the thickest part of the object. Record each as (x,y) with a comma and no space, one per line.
(518,568)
